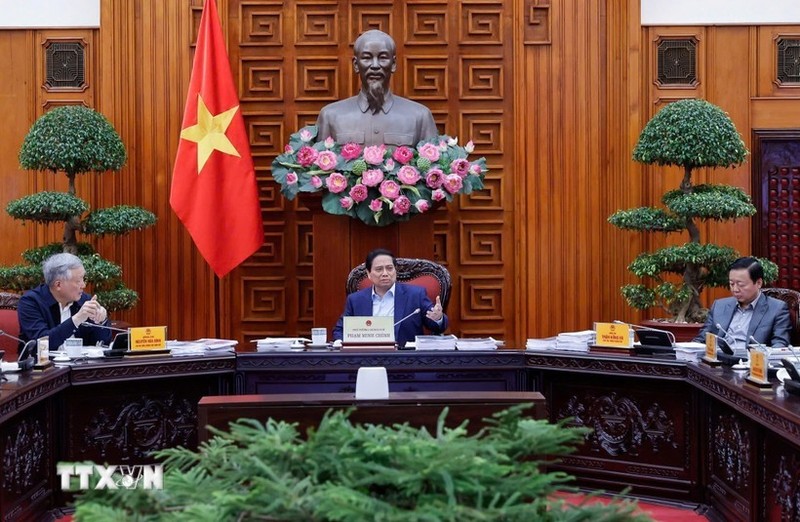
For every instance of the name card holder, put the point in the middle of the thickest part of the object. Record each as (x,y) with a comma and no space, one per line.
(759,375)
(710,358)
(612,338)
(148,339)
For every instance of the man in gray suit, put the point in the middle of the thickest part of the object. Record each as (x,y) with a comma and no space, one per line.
(749,312)
(375,115)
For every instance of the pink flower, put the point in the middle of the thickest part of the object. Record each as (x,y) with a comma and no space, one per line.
(469,147)
(460,166)
(403,154)
(442,145)
(316,182)
(390,189)
(372,177)
(305,135)
(408,175)
(288,149)
(475,169)
(374,154)
(329,143)
(291,178)
(423,205)
(429,151)
(439,194)
(346,203)
(336,182)
(434,178)
(306,156)
(453,183)
(358,193)
(401,205)
(375,205)
(351,151)
(326,160)
(389,165)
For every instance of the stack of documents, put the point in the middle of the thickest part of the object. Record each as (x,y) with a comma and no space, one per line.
(689,351)
(541,344)
(776,354)
(476,343)
(575,341)
(214,345)
(278,344)
(436,342)
(185,348)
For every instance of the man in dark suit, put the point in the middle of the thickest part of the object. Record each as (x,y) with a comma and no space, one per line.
(749,312)
(60,308)
(387,297)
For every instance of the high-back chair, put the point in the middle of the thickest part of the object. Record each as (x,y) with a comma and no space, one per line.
(792,300)
(420,272)
(9,323)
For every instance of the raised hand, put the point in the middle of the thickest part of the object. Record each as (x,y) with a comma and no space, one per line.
(435,313)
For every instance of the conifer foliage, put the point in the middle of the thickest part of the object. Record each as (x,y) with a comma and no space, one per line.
(346,472)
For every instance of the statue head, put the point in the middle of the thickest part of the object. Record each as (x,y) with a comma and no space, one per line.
(374,60)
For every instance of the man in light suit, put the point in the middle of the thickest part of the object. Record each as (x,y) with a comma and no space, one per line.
(387,297)
(749,312)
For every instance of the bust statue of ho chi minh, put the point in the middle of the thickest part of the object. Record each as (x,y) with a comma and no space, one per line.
(375,115)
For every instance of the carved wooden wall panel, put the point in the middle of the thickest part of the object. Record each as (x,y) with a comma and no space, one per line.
(776,194)
(452,56)
(554,95)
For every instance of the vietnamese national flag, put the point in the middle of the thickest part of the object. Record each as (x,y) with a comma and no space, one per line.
(214,190)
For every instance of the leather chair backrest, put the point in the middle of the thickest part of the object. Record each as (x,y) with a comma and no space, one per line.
(420,272)
(9,322)
(792,300)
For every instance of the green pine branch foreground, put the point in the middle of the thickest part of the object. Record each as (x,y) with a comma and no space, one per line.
(345,472)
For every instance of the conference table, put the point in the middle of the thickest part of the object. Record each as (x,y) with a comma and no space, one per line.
(666,428)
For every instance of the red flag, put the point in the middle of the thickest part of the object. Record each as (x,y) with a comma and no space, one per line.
(214,190)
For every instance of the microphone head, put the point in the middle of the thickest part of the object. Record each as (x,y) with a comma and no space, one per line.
(417,311)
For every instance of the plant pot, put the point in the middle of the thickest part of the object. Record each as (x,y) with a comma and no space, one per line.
(682,331)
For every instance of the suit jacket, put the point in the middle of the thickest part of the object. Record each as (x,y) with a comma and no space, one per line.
(407,298)
(39,315)
(769,325)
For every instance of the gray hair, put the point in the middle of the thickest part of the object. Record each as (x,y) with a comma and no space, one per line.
(57,267)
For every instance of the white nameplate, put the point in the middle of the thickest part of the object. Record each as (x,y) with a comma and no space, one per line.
(368,330)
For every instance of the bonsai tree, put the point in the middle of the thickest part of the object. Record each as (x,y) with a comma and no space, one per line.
(341,471)
(74,140)
(690,134)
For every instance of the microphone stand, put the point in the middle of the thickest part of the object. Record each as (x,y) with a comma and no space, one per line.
(23,362)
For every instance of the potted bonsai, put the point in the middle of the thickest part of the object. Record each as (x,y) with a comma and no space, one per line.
(690,134)
(74,140)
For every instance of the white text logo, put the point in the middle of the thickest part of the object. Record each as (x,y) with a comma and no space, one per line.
(112,477)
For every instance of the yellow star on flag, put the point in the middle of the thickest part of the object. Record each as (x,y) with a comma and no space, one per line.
(209,133)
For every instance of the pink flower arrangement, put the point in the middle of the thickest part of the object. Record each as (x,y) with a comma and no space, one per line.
(378,184)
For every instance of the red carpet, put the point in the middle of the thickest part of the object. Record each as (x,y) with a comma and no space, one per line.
(658,512)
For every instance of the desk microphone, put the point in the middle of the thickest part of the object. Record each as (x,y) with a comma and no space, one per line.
(406,317)
(640,327)
(24,350)
(104,327)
